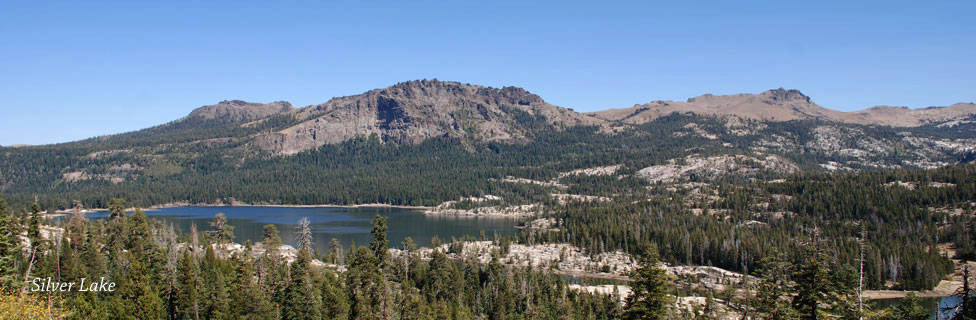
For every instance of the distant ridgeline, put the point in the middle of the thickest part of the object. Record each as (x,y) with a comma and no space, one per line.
(771,165)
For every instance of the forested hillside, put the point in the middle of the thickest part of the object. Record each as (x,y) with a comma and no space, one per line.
(429,141)
(369,170)
(903,217)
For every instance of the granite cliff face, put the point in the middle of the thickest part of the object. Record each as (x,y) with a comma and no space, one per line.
(414,111)
(785,105)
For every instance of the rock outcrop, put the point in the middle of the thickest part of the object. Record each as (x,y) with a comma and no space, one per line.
(239,111)
(414,111)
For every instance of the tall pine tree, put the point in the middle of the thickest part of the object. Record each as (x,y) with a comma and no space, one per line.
(650,299)
(302,300)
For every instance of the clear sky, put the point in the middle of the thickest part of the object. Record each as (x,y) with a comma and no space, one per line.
(76,69)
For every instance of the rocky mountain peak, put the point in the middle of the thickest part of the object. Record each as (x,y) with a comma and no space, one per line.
(506,95)
(786,95)
(414,111)
(239,111)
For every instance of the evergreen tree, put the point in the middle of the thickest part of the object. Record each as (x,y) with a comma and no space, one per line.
(9,248)
(4,209)
(216,304)
(363,279)
(77,226)
(335,301)
(34,227)
(812,278)
(335,250)
(116,208)
(223,232)
(271,239)
(302,299)
(189,285)
(272,273)
(910,308)
(246,298)
(379,245)
(650,298)
(773,289)
(414,306)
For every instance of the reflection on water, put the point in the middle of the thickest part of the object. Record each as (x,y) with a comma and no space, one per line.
(941,308)
(345,224)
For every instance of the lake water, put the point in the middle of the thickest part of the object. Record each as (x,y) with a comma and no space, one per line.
(941,308)
(345,224)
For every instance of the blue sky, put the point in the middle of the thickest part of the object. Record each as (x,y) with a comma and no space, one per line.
(76,69)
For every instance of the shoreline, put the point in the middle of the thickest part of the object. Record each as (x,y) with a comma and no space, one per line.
(365,205)
(67,212)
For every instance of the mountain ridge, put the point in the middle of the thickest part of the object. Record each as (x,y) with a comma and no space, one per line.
(413,111)
(786,105)
(239,110)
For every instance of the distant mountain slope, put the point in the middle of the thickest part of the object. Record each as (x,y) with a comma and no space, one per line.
(414,111)
(955,114)
(785,105)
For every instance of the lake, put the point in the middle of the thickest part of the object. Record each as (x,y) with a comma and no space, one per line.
(940,307)
(345,224)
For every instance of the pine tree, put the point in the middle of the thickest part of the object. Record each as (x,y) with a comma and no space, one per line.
(651,287)
(271,271)
(302,300)
(77,226)
(188,295)
(9,248)
(4,209)
(910,308)
(362,279)
(270,240)
(246,298)
(335,250)
(223,232)
(414,306)
(116,208)
(380,243)
(34,227)
(773,289)
(335,301)
(116,229)
(216,303)
(821,288)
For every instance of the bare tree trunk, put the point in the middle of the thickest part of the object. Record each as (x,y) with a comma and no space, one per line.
(30,264)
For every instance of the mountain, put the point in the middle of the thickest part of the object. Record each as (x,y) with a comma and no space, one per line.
(428,141)
(414,111)
(786,105)
(239,111)
(955,114)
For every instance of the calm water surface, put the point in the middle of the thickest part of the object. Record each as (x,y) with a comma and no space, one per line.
(345,224)
(940,308)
